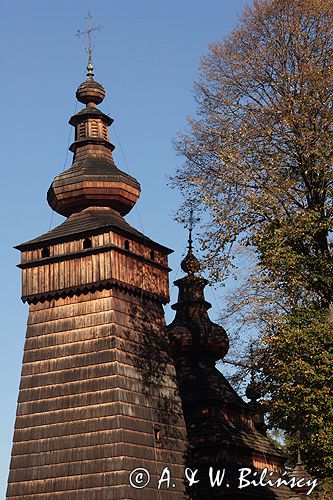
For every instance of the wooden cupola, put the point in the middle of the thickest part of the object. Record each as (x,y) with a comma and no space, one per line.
(93,180)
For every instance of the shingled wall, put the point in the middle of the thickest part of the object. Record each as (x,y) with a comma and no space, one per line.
(98,398)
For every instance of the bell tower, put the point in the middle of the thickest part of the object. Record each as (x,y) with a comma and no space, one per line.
(98,395)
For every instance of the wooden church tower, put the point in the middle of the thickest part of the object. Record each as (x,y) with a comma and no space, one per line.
(98,395)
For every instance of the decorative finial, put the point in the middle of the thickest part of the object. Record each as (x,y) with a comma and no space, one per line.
(87,35)
(253,391)
(190,263)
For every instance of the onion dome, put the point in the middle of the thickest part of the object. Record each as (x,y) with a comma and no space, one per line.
(192,332)
(190,263)
(253,391)
(93,180)
(90,91)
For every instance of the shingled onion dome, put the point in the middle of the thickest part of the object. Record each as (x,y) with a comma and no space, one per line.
(253,391)
(90,92)
(192,332)
(93,180)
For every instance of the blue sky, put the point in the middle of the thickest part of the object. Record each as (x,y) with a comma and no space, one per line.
(147,57)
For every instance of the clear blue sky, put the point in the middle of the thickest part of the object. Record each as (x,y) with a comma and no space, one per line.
(147,57)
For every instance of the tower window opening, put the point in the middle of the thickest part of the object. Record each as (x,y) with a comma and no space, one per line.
(157,435)
(152,254)
(94,129)
(82,130)
(126,245)
(87,243)
(105,133)
(46,252)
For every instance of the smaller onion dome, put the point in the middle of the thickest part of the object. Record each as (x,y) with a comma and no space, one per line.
(216,343)
(190,263)
(253,391)
(90,91)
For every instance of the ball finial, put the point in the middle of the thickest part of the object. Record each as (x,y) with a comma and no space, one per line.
(90,91)
(190,263)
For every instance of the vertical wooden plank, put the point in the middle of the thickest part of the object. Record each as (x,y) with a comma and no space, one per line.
(83,278)
(41,277)
(89,269)
(95,267)
(102,265)
(56,277)
(61,271)
(34,280)
(47,277)
(108,257)
(24,282)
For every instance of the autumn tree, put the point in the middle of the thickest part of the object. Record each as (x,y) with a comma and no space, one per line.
(258,163)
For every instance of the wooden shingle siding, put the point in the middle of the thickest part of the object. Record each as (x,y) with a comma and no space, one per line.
(96,380)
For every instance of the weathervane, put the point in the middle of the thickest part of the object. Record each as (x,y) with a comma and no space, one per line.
(87,35)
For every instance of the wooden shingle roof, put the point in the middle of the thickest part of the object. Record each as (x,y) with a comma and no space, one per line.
(90,221)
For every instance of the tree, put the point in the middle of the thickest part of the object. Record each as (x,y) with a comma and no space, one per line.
(297,365)
(258,161)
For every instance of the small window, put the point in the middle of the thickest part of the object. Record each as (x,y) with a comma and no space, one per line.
(105,132)
(46,252)
(152,254)
(82,130)
(87,243)
(94,129)
(157,435)
(126,245)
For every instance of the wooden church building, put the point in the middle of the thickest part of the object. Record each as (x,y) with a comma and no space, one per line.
(106,388)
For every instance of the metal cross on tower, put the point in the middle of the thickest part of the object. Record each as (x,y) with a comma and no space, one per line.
(189,223)
(87,35)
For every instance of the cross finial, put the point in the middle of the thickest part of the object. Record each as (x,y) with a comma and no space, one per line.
(190,223)
(190,228)
(87,35)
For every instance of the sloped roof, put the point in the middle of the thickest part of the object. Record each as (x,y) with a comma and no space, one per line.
(90,222)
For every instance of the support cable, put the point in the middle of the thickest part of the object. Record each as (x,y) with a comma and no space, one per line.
(66,158)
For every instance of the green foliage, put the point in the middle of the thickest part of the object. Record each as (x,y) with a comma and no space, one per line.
(294,252)
(296,360)
(324,490)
